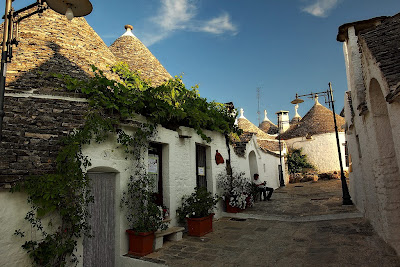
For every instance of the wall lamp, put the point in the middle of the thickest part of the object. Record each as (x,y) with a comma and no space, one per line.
(69,8)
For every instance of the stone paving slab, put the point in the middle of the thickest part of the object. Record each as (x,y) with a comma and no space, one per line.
(294,229)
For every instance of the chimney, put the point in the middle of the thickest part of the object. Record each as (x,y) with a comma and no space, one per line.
(283,120)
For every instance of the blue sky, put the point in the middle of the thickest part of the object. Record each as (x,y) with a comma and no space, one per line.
(232,47)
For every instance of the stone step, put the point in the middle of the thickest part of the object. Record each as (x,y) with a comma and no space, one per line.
(172,234)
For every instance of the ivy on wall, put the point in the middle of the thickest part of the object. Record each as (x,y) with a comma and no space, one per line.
(61,198)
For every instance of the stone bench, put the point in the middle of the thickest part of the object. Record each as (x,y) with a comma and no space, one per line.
(172,234)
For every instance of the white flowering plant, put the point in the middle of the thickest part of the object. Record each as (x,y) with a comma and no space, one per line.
(236,189)
(200,203)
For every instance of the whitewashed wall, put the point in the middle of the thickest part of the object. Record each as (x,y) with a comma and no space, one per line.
(179,172)
(179,178)
(13,208)
(267,164)
(374,150)
(321,150)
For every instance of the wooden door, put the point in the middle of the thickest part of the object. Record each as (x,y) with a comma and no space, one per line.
(99,250)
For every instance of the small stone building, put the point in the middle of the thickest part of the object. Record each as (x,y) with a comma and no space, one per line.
(315,134)
(372,112)
(261,152)
(40,111)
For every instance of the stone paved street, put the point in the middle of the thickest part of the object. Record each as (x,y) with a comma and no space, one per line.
(304,225)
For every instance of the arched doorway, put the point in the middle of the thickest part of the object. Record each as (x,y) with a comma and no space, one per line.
(253,163)
(381,122)
(385,168)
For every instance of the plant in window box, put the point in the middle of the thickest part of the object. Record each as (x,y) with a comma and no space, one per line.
(197,209)
(236,190)
(143,215)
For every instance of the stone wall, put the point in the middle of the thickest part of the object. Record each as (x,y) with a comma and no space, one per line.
(374,140)
(32,128)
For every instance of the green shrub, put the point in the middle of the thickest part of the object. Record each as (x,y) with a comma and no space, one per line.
(297,161)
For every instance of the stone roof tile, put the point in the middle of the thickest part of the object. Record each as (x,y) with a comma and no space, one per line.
(318,120)
(266,142)
(247,126)
(383,42)
(268,127)
(129,49)
(51,44)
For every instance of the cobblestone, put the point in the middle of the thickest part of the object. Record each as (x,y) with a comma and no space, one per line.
(303,226)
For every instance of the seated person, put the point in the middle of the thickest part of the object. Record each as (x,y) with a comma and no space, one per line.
(261,186)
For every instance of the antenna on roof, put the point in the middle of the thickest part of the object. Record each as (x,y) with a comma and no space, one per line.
(258,105)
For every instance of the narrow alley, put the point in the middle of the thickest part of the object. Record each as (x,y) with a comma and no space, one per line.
(304,225)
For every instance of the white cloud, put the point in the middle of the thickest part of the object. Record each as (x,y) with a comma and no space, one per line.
(151,38)
(176,15)
(321,8)
(219,25)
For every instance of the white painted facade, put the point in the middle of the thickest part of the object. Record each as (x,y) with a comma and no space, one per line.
(373,137)
(321,150)
(258,161)
(179,178)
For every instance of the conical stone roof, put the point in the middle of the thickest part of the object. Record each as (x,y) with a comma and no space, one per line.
(264,140)
(249,127)
(51,44)
(129,49)
(318,120)
(267,126)
(296,117)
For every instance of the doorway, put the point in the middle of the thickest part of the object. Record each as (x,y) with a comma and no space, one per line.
(253,164)
(155,171)
(201,168)
(99,250)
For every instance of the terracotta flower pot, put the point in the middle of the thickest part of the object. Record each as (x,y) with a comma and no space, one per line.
(231,209)
(140,244)
(249,201)
(200,226)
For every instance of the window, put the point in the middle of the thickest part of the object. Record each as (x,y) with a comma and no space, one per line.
(346,153)
(201,171)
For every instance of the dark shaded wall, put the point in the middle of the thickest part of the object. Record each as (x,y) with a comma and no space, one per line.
(32,130)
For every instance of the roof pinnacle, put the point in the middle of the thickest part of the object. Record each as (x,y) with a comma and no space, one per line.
(295,109)
(316,100)
(129,29)
(265,116)
(241,114)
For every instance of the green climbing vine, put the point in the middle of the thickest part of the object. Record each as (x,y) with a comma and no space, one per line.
(60,199)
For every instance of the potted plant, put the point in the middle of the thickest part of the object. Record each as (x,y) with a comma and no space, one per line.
(236,191)
(143,215)
(197,209)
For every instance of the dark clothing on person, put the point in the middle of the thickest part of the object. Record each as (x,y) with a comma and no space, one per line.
(263,190)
